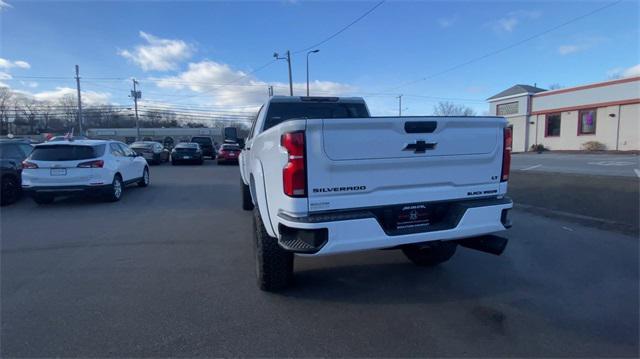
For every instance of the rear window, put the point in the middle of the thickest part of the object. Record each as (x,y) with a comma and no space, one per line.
(141,145)
(66,152)
(280,112)
(202,140)
(187,145)
(231,147)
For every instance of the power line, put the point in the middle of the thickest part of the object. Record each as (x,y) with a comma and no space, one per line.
(508,47)
(343,29)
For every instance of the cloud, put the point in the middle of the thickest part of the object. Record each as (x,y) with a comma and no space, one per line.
(8,64)
(4,5)
(619,72)
(509,22)
(446,22)
(582,44)
(158,54)
(88,97)
(569,49)
(5,76)
(223,86)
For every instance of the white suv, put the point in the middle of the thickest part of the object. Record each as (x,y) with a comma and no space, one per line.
(82,166)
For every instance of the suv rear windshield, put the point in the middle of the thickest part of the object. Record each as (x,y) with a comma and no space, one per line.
(281,111)
(206,141)
(66,152)
(231,147)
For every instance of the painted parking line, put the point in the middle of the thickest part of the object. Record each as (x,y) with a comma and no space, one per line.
(637,171)
(530,168)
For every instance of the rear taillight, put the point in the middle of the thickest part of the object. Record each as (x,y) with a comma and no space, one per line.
(294,175)
(506,154)
(29,165)
(91,164)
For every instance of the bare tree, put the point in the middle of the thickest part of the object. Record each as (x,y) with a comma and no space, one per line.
(446,108)
(555,86)
(69,108)
(5,107)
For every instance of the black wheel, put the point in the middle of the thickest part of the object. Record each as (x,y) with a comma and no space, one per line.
(43,198)
(114,193)
(173,163)
(274,265)
(10,190)
(144,181)
(247,203)
(430,253)
(201,162)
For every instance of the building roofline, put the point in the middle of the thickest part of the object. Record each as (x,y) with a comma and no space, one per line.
(588,86)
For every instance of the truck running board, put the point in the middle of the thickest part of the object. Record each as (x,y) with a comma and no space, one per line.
(490,243)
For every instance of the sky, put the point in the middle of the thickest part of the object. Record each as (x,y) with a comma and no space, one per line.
(212,54)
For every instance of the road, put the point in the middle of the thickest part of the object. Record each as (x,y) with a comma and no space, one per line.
(169,271)
(579,163)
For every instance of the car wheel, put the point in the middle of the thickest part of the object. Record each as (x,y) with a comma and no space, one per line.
(43,198)
(115,190)
(10,190)
(247,203)
(430,253)
(144,181)
(274,265)
(201,162)
(173,163)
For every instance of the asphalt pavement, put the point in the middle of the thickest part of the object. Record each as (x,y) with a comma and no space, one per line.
(605,164)
(169,271)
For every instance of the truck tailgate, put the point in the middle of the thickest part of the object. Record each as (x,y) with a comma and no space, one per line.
(368,162)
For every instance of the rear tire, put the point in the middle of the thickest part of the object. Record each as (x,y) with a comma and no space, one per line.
(173,163)
(144,181)
(43,198)
(274,265)
(115,190)
(430,253)
(10,190)
(247,202)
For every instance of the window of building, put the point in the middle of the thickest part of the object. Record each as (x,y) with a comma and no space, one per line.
(587,122)
(505,109)
(552,125)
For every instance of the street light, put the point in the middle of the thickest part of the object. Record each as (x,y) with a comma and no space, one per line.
(309,53)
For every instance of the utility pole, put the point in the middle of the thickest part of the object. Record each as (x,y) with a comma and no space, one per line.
(400,105)
(288,58)
(79,101)
(136,95)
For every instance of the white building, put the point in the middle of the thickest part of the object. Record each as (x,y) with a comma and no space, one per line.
(606,112)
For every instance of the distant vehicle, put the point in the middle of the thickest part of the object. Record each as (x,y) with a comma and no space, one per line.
(65,138)
(187,152)
(82,166)
(230,134)
(12,153)
(206,144)
(151,151)
(324,177)
(228,153)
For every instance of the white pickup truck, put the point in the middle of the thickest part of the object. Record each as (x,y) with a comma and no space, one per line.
(322,177)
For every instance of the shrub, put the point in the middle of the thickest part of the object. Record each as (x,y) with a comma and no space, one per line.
(538,147)
(593,146)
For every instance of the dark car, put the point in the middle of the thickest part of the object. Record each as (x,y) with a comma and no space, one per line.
(206,144)
(187,152)
(12,153)
(228,153)
(152,151)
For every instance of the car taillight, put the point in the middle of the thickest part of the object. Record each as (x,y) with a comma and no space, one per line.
(91,164)
(294,174)
(29,165)
(506,154)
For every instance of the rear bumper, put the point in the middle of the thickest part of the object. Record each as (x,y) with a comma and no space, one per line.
(356,230)
(66,190)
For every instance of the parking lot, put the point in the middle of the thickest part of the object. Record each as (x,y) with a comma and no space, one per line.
(169,271)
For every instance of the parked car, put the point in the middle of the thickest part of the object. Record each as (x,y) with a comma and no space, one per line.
(187,152)
(12,153)
(84,166)
(207,146)
(151,151)
(228,153)
(318,185)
